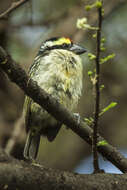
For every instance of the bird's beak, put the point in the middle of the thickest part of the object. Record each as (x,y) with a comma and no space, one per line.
(77,49)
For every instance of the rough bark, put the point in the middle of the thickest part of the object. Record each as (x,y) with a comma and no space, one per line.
(15,174)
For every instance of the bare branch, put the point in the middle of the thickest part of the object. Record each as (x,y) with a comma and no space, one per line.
(13,6)
(97,89)
(16,135)
(30,87)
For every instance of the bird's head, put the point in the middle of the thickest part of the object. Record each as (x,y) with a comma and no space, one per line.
(61,43)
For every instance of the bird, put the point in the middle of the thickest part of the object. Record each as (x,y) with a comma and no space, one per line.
(58,70)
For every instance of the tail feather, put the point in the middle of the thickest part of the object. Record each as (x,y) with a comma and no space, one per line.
(31,146)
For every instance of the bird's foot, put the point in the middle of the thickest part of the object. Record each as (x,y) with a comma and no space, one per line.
(77,117)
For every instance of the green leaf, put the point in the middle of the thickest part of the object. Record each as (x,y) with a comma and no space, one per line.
(98,4)
(88,7)
(103,48)
(94,35)
(89,120)
(90,73)
(91,56)
(111,105)
(102,87)
(102,143)
(107,58)
(103,40)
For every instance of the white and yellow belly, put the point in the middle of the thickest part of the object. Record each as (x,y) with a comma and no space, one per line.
(61,76)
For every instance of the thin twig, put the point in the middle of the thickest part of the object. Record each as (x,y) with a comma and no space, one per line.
(16,135)
(17,75)
(97,98)
(13,6)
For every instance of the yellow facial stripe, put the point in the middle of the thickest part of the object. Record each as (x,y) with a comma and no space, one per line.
(62,41)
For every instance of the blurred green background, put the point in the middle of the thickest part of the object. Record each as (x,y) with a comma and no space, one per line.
(21,35)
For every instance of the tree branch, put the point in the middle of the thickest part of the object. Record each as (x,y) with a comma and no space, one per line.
(16,135)
(13,6)
(30,87)
(97,89)
(15,174)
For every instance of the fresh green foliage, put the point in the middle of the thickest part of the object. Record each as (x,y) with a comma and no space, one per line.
(111,105)
(102,143)
(89,121)
(103,40)
(107,58)
(94,35)
(91,56)
(97,4)
(88,7)
(90,73)
(102,87)
(82,23)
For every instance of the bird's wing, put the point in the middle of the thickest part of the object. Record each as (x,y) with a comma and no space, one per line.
(28,101)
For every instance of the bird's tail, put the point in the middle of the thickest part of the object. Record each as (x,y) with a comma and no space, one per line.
(31,146)
(53,131)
